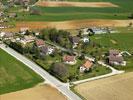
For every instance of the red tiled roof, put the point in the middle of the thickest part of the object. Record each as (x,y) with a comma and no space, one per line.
(39,42)
(68,58)
(87,64)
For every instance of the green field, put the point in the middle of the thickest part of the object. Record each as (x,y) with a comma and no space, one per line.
(14,75)
(74,13)
(122,41)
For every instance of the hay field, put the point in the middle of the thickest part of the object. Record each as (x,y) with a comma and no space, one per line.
(74,4)
(118,87)
(43,92)
(75,24)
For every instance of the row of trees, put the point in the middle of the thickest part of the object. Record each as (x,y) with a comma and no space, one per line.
(60,37)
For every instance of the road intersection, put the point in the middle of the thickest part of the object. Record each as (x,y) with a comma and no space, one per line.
(62,87)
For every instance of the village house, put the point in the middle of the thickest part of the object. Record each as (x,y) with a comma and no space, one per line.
(2,34)
(2,26)
(8,35)
(86,66)
(1,5)
(69,59)
(39,43)
(1,14)
(85,39)
(23,30)
(12,15)
(84,31)
(46,50)
(27,39)
(75,41)
(115,58)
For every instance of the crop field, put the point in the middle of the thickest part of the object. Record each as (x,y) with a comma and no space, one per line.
(76,24)
(117,87)
(40,92)
(14,75)
(123,11)
(75,4)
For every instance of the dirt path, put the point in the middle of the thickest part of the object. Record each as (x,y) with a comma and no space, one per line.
(74,4)
(76,24)
(44,92)
(117,87)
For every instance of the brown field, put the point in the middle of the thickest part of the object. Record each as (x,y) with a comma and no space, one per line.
(76,24)
(118,87)
(44,92)
(74,4)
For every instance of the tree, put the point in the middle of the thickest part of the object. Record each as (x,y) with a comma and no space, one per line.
(17,46)
(60,71)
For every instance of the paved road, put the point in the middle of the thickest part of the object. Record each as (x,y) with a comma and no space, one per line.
(96,78)
(114,72)
(62,87)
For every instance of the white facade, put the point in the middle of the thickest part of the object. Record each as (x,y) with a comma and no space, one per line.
(70,62)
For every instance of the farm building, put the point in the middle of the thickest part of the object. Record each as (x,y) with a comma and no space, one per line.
(115,58)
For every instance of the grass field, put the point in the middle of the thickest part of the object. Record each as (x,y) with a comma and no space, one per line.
(113,88)
(14,75)
(122,41)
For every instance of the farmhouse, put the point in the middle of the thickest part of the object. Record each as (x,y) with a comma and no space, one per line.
(86,66)
(115,58)
(69,59)
(40,43)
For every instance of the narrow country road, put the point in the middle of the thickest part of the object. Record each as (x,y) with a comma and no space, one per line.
(62,87)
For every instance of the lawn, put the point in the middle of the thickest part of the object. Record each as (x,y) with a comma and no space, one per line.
(14,75)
